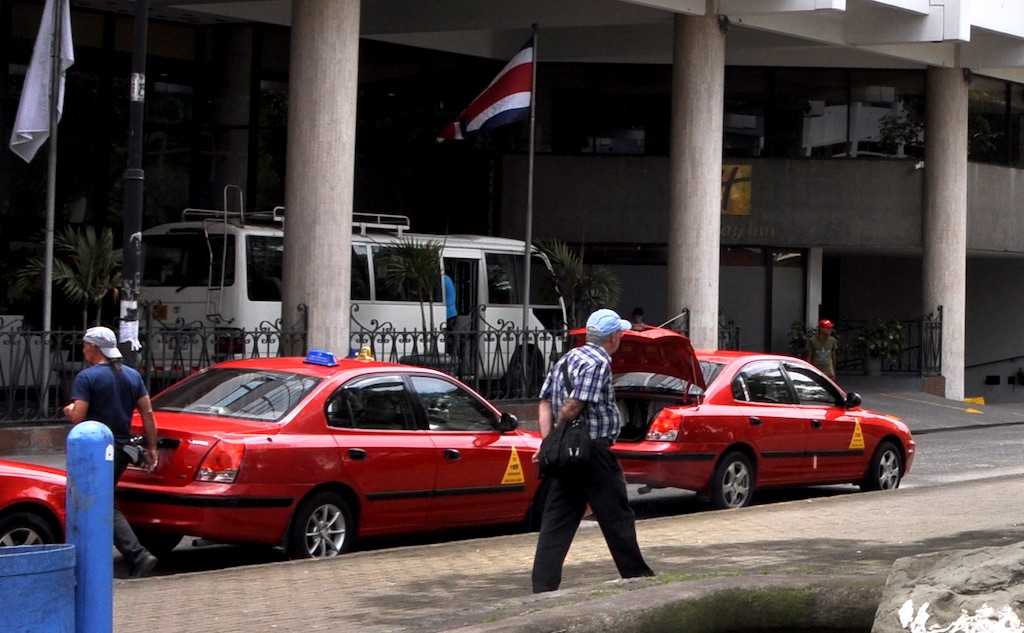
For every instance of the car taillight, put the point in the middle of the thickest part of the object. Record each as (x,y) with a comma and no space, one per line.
(666,426)
(222,463)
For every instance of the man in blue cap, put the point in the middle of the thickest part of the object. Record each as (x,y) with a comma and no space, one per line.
(599,481)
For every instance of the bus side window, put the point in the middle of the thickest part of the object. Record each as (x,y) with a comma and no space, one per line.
(502,278)
(360,288)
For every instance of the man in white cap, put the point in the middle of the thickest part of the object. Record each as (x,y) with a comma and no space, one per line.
(599,482)
(109,392)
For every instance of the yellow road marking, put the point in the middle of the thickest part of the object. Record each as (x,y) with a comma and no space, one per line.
(934,404)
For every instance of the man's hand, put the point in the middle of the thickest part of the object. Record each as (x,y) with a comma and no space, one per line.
(151,461)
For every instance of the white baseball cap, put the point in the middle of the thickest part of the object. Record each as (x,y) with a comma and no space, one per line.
(103,339)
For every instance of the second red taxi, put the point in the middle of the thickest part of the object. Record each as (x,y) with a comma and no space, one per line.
(726,424)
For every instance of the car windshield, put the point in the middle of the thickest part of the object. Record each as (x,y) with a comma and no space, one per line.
(660,383)
(251,394)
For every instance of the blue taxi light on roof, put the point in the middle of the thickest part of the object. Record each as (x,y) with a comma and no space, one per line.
(321,357)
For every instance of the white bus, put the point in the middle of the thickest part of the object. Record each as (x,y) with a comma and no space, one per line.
(220,270)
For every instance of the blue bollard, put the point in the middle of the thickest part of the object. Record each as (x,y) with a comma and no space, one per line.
(90,524)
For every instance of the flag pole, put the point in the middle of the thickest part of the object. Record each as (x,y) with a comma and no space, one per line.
(529,206)
(51,193)
(51,170)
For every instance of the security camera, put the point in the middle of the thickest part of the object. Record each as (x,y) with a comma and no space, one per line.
(919,164)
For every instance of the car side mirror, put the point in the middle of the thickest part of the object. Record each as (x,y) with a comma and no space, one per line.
(852,400)
(508,423)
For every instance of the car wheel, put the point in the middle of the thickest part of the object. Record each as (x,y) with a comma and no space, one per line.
(321,528)
(885,470)
(25,528)
(158,544)
(732,485)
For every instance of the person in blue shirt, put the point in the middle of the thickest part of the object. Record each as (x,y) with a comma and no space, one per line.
(599,482)
(109,392)
(449,302)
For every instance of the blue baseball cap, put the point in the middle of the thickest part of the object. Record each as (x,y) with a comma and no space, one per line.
(605,322)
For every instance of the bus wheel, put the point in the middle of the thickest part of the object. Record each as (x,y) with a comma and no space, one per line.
(524,379)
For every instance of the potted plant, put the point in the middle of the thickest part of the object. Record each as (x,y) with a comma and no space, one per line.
(796,344)
(880,340)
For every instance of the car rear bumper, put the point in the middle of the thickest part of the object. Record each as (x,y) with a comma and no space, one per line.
(214,513)
(675,467)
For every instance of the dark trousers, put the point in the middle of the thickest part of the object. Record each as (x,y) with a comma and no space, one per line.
(124,537)
(601,484)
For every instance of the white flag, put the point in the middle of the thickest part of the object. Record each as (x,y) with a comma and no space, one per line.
(32,125)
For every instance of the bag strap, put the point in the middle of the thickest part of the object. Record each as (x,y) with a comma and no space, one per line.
(566,379)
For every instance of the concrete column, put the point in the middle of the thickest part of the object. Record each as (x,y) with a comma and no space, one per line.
(321,157)
(698,79)
(945,216)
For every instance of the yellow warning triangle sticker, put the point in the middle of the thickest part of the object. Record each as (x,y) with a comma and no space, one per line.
(857,441)
(514,470)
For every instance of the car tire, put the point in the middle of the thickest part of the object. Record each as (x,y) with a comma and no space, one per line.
(886,469)
(732,485)
(158,544)
(25,528)
(322,527)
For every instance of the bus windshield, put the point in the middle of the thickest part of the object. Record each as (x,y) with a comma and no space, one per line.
(183,259)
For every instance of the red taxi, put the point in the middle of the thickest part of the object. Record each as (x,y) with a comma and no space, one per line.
(313,453)
(725,424)
(31,504)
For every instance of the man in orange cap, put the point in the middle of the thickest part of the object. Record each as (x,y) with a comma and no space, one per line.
(821,348)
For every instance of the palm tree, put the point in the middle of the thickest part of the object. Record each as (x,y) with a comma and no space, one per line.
(413,269)
(583,288)
(85,266)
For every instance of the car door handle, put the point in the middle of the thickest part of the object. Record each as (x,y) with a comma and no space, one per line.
(755,421)
(357,454)
(452,454)
(816,424)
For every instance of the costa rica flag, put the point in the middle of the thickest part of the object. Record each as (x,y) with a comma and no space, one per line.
(505,100)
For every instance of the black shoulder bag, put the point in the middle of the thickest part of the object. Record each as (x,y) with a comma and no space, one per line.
(567,446)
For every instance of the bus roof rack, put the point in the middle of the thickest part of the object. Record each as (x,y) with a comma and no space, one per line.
(275,216)
(362,222)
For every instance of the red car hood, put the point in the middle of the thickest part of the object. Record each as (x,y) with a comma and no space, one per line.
(655,350)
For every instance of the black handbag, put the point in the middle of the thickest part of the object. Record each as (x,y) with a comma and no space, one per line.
(566,447)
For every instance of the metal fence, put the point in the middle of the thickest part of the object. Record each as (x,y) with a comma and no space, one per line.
(922,355)
(37,368)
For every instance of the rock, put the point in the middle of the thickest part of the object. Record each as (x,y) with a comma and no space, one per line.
(956,591)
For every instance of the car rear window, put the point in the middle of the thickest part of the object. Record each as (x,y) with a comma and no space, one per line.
(250,394)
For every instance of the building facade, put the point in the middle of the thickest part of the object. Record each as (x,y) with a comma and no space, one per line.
(760,162)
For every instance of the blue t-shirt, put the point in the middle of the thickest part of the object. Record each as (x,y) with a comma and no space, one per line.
(449,298)
(111,392)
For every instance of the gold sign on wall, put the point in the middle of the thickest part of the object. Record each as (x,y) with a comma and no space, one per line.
(736,189)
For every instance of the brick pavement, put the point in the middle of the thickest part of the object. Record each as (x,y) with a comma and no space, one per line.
(484,584)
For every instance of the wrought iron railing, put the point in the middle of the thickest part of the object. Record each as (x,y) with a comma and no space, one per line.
(921,356)
(37,369)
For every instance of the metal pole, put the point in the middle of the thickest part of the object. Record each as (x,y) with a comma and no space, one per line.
(51,193)
(131,273)
(529,207)
(51,171)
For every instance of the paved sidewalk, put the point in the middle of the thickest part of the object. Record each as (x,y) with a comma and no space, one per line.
(483,584)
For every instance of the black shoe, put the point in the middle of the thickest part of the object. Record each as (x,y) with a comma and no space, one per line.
(144,566)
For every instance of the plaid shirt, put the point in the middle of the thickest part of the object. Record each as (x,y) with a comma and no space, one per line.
(590,370)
